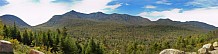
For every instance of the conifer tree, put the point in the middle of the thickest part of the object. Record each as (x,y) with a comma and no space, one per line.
(5,31)
(93,48)
(25,37)
(69,46)
(14,31)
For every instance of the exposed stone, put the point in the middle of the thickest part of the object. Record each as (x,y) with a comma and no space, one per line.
(32,51)
(203,51)
(6,47)
(172,51)
(213,52)
(206,49)
(208,46)
(215,44)
(190,53)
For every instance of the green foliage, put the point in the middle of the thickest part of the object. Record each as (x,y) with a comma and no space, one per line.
(107,39)
(132,48)
(93,48)
(69,46)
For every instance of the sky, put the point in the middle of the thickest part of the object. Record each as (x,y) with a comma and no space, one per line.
(36,12)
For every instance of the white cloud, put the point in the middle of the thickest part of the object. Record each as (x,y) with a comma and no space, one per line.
(113,7)
(126,4)
(163,2)
(90,6)
(33,13)
(203,3)
(150,7)
(36,13)
(207,15)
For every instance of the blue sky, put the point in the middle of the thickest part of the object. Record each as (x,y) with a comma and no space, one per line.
(35,12)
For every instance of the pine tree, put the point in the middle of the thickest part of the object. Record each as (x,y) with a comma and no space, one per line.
(19,38)
(14,31)
(5,31)
(64,32)
(25,37)
(93,48)
(69,46)
(132,48)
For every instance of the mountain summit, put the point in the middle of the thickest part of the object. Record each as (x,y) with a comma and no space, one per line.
(11,19)
(74,18)
(70,17)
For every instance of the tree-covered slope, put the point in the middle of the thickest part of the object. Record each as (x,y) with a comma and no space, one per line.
(74,18)
(11,19)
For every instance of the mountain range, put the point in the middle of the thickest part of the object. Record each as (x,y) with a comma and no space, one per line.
(74,18)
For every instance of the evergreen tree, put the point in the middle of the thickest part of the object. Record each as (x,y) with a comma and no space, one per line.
(93,48)
(5,31)
(132,48)
(64,32)
(69,46)
(14,31)
(19,38)
(25,37)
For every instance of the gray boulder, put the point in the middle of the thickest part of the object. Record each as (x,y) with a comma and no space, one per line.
(6,47)
(190,53)
(172,51)
(203,51)
(208,47)
(215,44)
(32,51)
(214,52)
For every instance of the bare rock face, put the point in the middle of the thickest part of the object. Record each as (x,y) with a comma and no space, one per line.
(190,53)
(214,52)
(215,44)
(6,47)
(203,51)
(32,51)
(208,47)
(172,51)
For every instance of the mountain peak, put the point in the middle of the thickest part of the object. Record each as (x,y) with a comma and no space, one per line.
(72,12)
(11,19)
(98,13)
(167,19)
(8,16)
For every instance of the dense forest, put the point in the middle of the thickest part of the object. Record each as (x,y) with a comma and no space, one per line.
(125,40)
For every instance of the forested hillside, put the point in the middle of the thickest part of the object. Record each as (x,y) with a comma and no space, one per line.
(99,33)
(11,19)
(74,19)
(131,40)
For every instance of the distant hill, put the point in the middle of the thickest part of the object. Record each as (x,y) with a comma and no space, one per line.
(194,25)
(96,17)
(74,18)
(117,30)
(11,19)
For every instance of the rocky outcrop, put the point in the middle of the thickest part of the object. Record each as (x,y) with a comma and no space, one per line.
(215,44)
(172,51)
(211,49)
(32,51)
(203,51)
(6,47)
(190,53)
(206,49)
(208,46)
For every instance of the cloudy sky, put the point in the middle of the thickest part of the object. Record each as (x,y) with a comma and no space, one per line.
(35,12)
